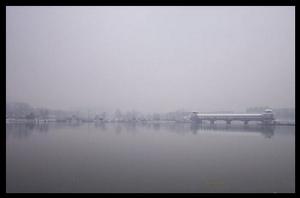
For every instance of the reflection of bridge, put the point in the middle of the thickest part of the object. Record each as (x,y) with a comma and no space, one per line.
(266,130)
(265,118)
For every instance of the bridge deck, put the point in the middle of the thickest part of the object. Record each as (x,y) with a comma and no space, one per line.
(266,117)
(230,116)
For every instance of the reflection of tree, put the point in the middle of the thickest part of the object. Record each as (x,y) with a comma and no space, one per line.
(118,128)
(22,130)
(100,125)
(19,130)
(74,124)
(43,127)
(30,126)
(130,126)
(156,126)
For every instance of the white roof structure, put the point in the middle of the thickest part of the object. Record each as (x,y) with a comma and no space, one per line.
(227,114)
(266,116)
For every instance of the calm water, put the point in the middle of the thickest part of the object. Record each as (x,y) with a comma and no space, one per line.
(149,158)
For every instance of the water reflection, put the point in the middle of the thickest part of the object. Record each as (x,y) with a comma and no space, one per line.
(130,127)
(100,125)
(19,130)
(118,128)
(156,126)
(43,128)
(161,157)
(25,130)
(265,130)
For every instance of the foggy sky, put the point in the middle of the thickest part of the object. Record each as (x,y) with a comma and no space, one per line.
(151,58)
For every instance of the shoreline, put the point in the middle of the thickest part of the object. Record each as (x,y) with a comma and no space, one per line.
(15,121)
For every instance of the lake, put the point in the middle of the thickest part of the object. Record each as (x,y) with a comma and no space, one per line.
(149,157)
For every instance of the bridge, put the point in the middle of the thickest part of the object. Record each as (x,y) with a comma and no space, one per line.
(267,117)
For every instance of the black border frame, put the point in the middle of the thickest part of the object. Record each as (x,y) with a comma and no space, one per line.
(120,3)
(152,3)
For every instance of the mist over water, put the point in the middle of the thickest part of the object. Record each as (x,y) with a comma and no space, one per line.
(151,59)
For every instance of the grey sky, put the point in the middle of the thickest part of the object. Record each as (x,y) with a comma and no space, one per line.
(151,58)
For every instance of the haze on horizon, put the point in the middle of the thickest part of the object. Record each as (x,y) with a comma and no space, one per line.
(151,58)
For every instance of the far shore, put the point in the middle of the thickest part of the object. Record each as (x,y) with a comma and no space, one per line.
(37,121)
